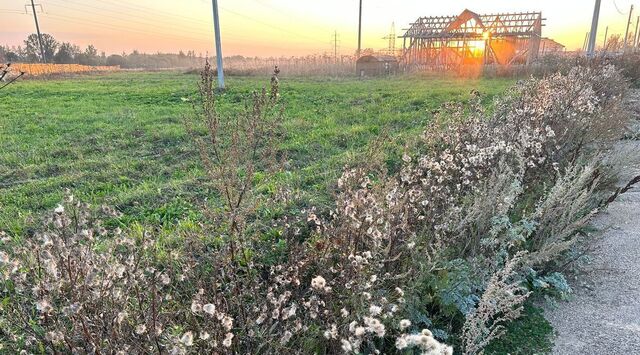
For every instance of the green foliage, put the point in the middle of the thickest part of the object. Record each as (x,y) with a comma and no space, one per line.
(529,335)
(458,287)
(34,51)
(553,284)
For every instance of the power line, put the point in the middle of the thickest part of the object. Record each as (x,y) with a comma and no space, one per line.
(132,18)
(617,8)
(170,15)
(204,33)
(101,14)
(119,28)
(158,12)
(272,26)
(92,23)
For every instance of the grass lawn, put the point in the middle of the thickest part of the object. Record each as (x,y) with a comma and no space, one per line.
(119,138)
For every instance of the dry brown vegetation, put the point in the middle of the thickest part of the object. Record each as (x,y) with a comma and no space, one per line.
(434,252)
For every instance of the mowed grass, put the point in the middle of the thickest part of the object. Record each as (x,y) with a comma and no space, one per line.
(119,139)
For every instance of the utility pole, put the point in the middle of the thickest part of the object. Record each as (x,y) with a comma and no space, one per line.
(606,34)
(216,25)
(635,38)
(359,31)
(585,45)
(335,46)
(626,33)
(35,17)
(591,49)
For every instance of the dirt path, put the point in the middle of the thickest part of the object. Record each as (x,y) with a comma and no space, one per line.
(603,316)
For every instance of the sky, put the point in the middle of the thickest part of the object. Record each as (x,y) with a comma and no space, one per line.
(277,27)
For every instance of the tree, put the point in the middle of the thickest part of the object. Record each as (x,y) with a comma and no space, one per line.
(11,54)
(116,59)
(91,51)
(49,44)
(67,53)
(89,57)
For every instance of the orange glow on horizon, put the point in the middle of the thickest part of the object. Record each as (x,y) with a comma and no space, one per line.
(275,27)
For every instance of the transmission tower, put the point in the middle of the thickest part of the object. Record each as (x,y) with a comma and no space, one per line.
(35,17)
(391,37)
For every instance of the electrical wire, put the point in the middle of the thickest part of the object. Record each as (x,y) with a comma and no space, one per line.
(120,19)
(158,12)
(62,18)
(119,29)
(271,26)
(120,26)
(176,33)
(617,8)
(246,17)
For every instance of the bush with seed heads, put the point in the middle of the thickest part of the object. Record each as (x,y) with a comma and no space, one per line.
(439,252)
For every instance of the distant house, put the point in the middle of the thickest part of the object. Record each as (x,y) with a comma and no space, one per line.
(377,65)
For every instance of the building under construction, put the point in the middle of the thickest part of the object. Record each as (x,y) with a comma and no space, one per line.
(450,42)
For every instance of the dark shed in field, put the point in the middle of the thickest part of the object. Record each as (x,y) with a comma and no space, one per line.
(377,65)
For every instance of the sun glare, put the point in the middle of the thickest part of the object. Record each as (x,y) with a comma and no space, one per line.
(477,47)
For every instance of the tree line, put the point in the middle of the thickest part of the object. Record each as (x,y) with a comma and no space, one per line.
(69,53)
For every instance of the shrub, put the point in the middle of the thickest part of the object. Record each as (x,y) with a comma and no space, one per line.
(440,252)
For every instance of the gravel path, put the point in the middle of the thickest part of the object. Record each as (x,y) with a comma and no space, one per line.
(603,316)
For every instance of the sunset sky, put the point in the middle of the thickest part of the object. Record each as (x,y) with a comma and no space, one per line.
(277,27)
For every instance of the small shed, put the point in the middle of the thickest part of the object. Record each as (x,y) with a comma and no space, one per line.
(377,65)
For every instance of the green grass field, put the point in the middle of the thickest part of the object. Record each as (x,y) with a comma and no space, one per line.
(119,138)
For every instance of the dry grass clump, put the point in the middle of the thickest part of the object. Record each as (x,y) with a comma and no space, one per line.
(407,262)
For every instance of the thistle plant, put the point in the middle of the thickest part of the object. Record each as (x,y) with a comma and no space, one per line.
(440,252)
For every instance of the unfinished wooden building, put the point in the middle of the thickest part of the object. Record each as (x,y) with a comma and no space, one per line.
(449,42)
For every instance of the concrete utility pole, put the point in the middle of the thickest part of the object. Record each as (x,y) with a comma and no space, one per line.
(635,38)
(626,33)
(591,48)
(585,45)
(360,31)
(35,17)
(216,25)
